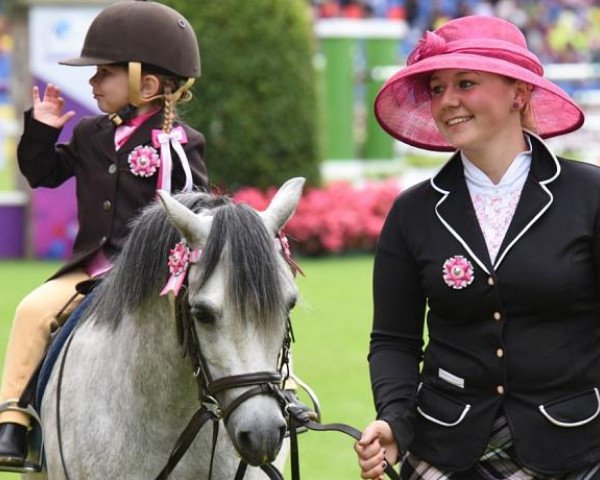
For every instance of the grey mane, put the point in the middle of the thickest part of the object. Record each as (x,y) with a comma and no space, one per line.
(140,271)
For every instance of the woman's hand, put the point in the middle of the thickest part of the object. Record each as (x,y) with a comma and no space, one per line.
(49,110)
(376,449)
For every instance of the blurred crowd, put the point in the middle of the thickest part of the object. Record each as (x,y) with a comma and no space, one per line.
(559,31)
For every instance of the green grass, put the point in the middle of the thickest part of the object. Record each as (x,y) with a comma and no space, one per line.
(331,325)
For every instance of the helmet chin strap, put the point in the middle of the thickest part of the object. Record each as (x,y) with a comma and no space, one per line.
(135,96)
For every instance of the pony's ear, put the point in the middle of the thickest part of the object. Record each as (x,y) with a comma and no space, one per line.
(283,204)
(191,226)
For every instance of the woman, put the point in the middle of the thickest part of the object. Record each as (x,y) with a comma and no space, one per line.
(503,246)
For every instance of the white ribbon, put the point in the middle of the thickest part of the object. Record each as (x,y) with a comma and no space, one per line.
(165,140)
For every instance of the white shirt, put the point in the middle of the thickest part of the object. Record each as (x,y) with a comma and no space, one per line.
(495,204)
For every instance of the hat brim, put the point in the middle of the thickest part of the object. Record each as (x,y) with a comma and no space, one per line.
(86,61)
(402,106)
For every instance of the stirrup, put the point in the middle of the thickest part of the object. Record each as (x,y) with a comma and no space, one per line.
(35,456)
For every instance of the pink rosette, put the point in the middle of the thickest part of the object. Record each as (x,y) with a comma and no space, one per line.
(458,272)
(143,161)
(431,44)
(179,261)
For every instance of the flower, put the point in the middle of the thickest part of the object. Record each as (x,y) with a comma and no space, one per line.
(458,272)
(143,161)
(179,259)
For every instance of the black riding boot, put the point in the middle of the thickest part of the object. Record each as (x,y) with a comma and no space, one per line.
(13,444)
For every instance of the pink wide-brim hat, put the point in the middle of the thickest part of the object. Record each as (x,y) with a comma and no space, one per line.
(486,44)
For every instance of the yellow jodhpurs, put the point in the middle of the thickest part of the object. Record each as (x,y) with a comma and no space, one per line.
(35,319)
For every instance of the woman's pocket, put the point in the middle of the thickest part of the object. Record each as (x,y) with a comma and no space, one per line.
(440,408)
(574,410)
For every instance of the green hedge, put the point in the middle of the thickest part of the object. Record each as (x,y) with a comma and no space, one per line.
(256,100)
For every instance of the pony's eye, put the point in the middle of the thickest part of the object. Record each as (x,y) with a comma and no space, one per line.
(291,304)
(203,315)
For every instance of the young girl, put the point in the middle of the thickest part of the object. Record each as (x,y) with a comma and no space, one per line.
(146,56)
(503,247)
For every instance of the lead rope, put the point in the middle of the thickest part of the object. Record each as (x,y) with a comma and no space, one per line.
(299,417)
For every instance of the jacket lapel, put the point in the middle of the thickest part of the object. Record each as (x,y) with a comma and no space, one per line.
(535,197)
(455,211)
(105,138)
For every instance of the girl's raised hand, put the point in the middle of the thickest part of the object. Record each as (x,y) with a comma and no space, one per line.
(49,109)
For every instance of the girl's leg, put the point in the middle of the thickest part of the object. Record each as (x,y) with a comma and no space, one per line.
(35,319)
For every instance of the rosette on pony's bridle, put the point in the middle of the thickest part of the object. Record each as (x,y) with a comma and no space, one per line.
(181,256)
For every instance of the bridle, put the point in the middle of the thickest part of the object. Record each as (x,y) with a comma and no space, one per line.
(261,383)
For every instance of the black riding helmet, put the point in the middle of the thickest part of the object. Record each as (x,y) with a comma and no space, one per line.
(139,32)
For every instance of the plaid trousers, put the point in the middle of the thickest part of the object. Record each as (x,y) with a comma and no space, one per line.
(496,463)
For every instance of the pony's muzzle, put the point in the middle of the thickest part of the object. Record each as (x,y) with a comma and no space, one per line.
(258,440)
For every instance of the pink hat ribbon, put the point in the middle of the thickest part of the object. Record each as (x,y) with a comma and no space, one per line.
(281,241)
(180,258)
(433,44)
(430,45)
(176,137)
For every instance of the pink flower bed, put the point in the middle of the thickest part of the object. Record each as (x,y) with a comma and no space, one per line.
(335,218)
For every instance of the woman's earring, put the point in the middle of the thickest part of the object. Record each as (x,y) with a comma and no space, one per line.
(516,105)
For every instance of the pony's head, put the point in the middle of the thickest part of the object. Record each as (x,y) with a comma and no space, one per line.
(239,295)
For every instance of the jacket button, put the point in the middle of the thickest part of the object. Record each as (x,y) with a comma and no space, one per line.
(500,389)
(497,316)
(102,241)
(106,205)
(499,353)
(112,168)
(491,281)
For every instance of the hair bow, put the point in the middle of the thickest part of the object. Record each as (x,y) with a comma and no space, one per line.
(176,137)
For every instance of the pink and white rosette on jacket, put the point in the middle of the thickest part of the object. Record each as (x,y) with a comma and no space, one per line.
(458,272)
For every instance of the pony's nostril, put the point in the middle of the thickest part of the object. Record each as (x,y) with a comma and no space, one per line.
(244,441)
